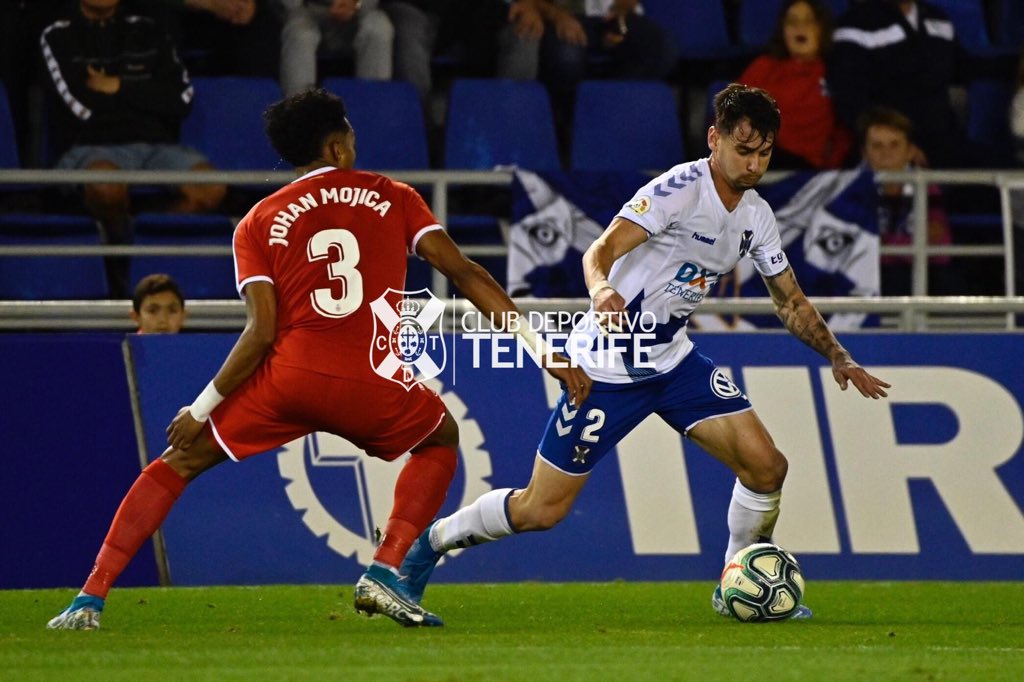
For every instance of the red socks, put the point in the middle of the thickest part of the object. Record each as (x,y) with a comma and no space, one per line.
(419,494)
(141,512)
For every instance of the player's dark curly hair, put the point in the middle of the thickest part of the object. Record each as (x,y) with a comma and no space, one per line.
(298,125)
(737,102)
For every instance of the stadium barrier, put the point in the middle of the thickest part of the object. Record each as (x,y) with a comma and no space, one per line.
(441,182)
(926,485)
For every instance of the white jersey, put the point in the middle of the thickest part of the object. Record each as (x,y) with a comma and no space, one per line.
(693,241)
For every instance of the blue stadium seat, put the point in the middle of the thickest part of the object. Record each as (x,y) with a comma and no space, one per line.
(50,277)
(988,107)
(626,125)
(388,120)
(697,26)
(8,141)
(968,17)
(757,21)
(500,122)
(226,122)
(199,276)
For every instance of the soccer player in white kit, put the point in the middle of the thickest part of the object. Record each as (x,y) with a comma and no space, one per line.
(657,261)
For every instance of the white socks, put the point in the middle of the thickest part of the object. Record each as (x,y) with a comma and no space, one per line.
(484,520)
(752,516)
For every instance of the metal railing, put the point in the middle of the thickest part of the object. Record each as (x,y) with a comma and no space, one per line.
(911,310)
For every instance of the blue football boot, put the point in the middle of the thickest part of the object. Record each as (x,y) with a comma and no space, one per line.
(83,614)
(379,591)
(419,565)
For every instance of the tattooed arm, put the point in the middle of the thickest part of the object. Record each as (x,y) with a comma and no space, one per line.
(804,322)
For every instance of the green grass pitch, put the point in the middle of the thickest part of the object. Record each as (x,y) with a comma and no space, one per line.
(526,631)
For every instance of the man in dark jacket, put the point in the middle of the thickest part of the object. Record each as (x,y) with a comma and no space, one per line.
(122,95)
(904,55)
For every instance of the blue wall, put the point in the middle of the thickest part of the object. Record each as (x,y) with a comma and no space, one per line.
(69,456)
(929,484)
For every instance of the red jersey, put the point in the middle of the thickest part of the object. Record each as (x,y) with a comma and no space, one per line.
(810,128)
(330,242)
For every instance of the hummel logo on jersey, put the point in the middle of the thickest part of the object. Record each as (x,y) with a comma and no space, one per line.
(702,238)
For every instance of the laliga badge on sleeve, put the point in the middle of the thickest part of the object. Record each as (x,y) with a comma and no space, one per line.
(640,205)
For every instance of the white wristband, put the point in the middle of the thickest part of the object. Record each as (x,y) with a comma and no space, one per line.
(598,286)
(205,403)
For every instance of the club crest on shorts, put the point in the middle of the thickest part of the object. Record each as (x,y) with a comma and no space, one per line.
(408,347)
(722,385)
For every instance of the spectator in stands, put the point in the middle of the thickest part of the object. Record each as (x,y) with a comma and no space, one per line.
(498,38)
(887,145)
(158,306)
(792,70)
(353,29)
(903,54)
(122,94)
(221,37)
(236,12)
(599,39)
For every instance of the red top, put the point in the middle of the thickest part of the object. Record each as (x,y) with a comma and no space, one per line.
(809,126)
(331,242)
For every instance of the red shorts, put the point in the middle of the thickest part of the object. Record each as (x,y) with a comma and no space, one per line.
(278,404)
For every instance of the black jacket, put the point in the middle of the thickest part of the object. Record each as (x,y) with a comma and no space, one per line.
(155,94)
(877,59)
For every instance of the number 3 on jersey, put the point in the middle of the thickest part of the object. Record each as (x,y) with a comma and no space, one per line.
(343,269)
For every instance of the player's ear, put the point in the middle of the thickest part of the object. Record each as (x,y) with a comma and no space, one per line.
(331,151)
(712,138)
(337,150)
(134,316)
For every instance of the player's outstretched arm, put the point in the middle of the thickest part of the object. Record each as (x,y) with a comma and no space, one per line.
(246,355)
(476,284)
(804,322)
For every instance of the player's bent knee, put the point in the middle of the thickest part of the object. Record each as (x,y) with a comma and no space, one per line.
(446,434)
(769,475)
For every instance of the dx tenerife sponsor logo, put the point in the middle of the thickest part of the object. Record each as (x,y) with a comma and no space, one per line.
(346,497)
(407,339)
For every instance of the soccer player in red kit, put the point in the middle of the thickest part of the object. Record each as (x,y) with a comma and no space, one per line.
(309,259)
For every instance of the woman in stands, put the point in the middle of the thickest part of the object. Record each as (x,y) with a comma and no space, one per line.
(792,70)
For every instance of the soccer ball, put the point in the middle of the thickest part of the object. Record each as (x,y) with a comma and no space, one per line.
(762,582)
